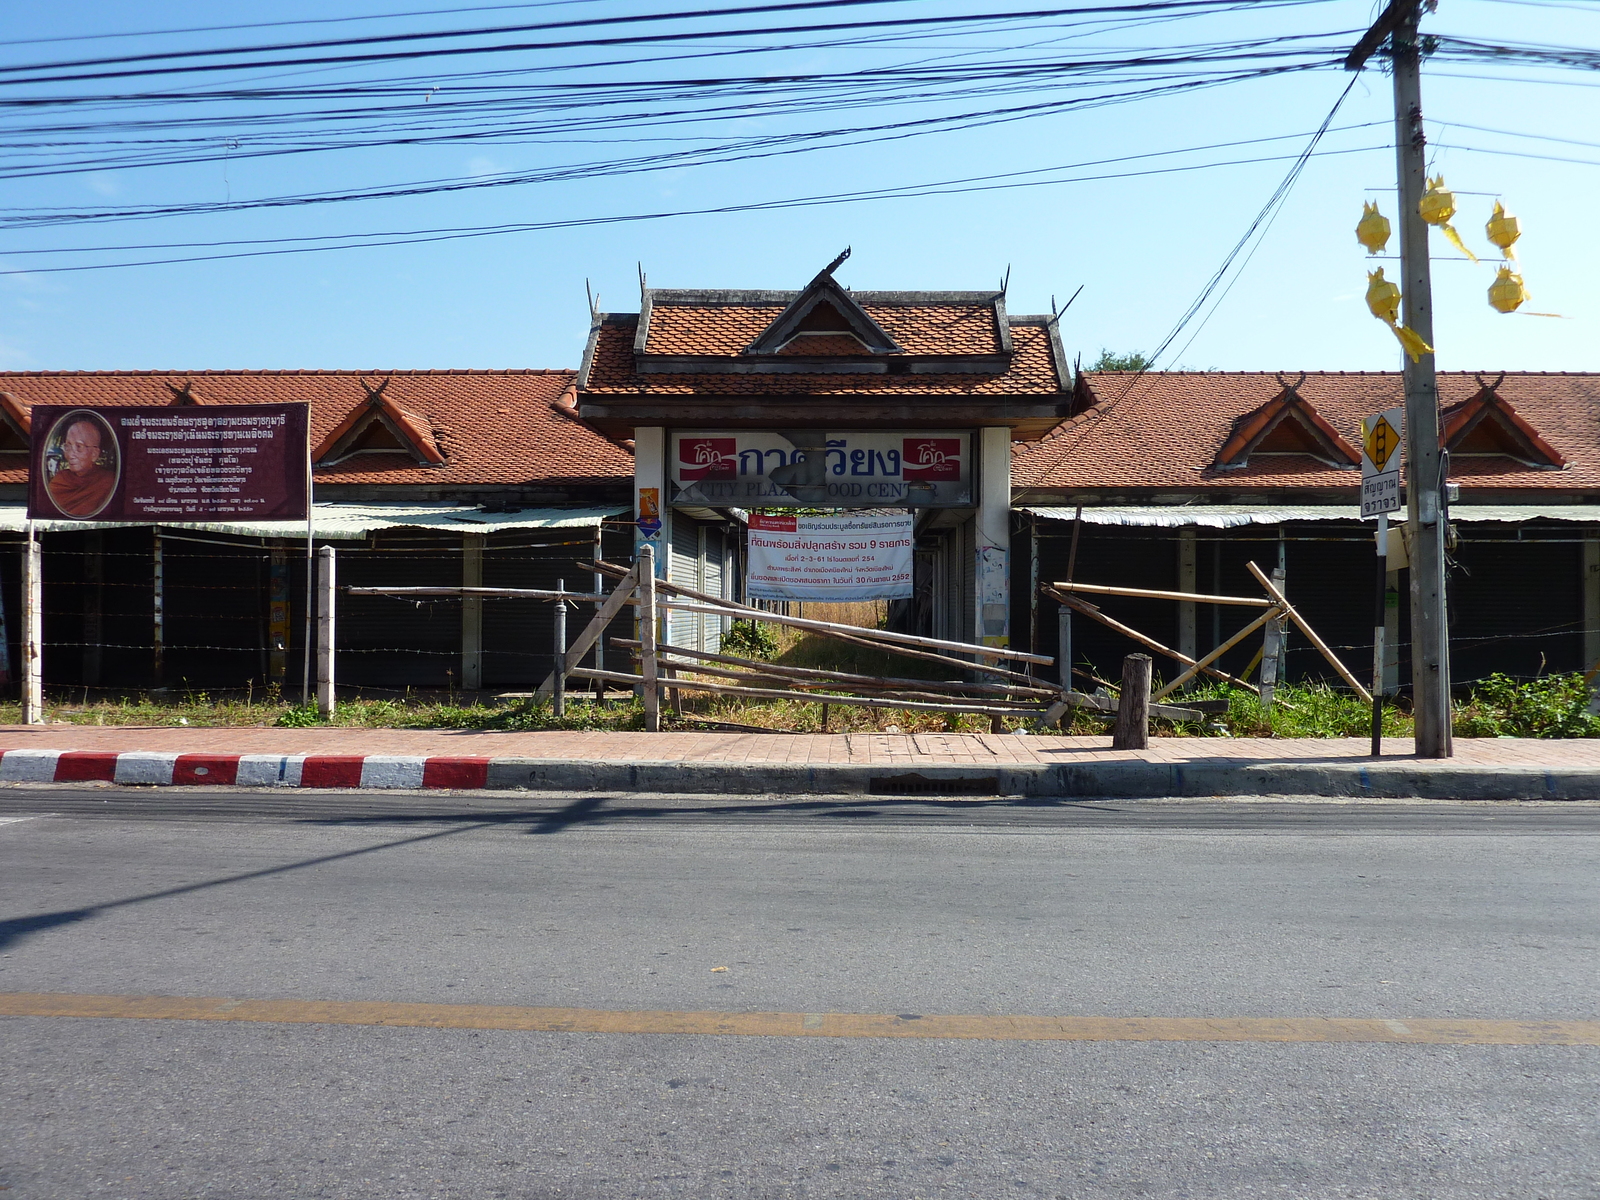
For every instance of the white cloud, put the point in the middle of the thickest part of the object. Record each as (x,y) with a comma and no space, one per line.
(480,166)
(103,184)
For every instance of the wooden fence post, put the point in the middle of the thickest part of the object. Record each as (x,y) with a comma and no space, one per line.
(647,639)
(32,633)
(325,630)
(1132,730)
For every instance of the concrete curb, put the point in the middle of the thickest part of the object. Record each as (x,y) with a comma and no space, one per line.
(1399,778)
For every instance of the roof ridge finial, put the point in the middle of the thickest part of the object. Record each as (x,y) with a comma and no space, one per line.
(835,264)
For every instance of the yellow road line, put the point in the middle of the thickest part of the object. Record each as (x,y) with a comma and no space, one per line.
(1412,1031)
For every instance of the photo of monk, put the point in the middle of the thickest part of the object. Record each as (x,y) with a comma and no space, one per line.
(81,465)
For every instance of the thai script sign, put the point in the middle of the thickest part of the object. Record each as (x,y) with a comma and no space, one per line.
(863,557)
(1380,463)
(116,463)
(795,468)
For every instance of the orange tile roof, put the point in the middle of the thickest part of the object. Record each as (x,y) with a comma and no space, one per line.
(494,427)
(1032,370)
(1161,431)
(726,329)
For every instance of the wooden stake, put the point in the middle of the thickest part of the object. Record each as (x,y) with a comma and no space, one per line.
(1311,634)
(1132,730)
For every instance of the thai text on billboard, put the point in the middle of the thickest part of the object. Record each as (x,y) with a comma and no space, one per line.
(754,468)
(862,557)
(161,464)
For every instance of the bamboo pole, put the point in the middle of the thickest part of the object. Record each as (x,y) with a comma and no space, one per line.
(1101,589)
(995,671)
(672,667)
(1094,613)
(595,629)
(817,673)
(1311,634)
(1168,689)
(723,607)
(489,592)
(814,697)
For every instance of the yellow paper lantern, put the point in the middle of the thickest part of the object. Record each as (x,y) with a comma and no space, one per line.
(1507,293)
(1372,231)
(1383,297)
(1437,206)
(1503,230)
(1383,301)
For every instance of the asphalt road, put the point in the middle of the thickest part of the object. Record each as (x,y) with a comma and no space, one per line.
(1269,915)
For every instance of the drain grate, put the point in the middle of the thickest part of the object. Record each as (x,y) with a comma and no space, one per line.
(915,784)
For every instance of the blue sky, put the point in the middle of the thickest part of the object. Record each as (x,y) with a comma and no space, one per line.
(1141,247)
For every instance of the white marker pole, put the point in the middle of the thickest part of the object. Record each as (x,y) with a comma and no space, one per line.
(1377,634)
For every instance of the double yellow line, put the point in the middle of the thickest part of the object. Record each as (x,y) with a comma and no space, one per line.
(1410,1032)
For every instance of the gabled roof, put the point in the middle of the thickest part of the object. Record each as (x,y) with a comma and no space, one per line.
(16,425)
(1158,432)
(727,359)
(1286,424)
(824,319)
(497,428)
(378,425)
(1486,424)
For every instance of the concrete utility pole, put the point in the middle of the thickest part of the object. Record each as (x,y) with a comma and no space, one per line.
(1430,633)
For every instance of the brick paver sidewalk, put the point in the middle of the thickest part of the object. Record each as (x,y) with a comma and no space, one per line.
(850,749)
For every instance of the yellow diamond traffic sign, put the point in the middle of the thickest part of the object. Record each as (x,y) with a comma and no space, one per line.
(1381,441)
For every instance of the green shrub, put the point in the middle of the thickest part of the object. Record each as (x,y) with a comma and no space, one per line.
(750,639)
(1553,706)
(301,716)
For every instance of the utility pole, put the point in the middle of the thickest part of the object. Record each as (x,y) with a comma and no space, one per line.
(1430,633)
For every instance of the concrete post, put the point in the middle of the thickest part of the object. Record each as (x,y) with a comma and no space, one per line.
(325,630)
(652,510)
(472,612)
(158,606)
(993,530)
(32,631)
(647,639)
(1591,601)
(1188,635)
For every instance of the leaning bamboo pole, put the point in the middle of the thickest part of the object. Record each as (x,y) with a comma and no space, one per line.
(744,611)
(1311,634)
(814,697)
(840,677)
(1102,589)
(1095,614)
(1190,673)
(856,637)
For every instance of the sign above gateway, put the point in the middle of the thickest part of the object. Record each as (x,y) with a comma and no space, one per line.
(793,468)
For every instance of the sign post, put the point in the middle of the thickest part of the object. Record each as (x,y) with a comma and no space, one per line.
(1380,495)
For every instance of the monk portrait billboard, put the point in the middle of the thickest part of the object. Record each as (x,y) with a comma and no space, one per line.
(81,464)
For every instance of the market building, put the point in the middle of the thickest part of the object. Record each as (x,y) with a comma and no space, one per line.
(419,477)
(1183,477)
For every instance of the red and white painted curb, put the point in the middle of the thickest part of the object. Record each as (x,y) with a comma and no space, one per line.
(246,770)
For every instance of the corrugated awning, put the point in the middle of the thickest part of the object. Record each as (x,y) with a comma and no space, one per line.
(1231,516)
(350,522)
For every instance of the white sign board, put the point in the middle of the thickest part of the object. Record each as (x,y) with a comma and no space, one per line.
(1380,463)
(762,468)
(830,558)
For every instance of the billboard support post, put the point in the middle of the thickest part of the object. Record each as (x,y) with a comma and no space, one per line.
(32,635)
(325,631)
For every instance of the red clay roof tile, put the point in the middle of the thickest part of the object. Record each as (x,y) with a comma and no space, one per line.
(494,427)
(1161,431)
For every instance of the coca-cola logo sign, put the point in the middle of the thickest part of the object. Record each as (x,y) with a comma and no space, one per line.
(931,460)
(707,458)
